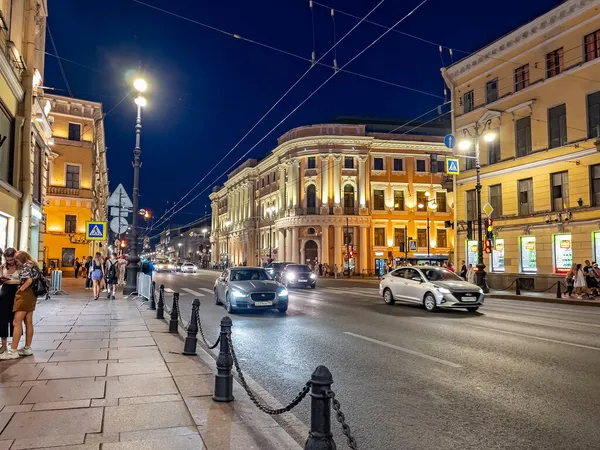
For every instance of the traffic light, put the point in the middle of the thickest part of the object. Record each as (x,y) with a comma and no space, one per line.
(490,229)
(488,246)
(469,229)
(433,163)
(123,244)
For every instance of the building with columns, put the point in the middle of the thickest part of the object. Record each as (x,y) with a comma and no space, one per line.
(336,194)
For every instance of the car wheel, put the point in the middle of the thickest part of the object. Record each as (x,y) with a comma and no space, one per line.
(313,286)
(217,301)
(429,302)
(388,298)
(282,309)
(230,309)
(473,309)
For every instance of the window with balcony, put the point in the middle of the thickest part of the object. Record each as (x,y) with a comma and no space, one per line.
(592,45)
(440,200)
(399,238)
(422,237)
(523,136)
(493,149)
(471,204)
(74,131)
(441,238)
(378,199)
(348,199)
(495,195)
(348,162)
(521,77)
(554,63)
(378,164)
(559,190)
(398,164)
(37,173)
(421,166)
(311,199)
(72,176)
(595,185)
(468,102)
(311,162)
(526,197)
(70,223)
(398,200)
(379,237)
(421,199)
(491,91)
(557,126)
(593,114)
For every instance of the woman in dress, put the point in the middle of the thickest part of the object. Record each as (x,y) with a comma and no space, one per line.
(9,277)
(97,269)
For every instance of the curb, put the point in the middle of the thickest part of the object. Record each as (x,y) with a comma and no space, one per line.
(562,301)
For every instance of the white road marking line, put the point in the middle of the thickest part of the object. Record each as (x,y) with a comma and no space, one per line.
(210,291)
(191,291)
(405,350)
(169,290)
(535,337)
(529,318)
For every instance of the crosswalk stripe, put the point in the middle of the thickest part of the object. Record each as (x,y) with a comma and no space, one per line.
(169,290)
(191,291)
(210,291)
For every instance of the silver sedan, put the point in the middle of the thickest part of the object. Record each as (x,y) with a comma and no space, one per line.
(432,287)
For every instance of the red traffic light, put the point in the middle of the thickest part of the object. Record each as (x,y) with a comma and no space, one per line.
(488,246)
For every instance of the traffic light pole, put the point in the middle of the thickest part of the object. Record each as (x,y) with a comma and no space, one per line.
(481,275)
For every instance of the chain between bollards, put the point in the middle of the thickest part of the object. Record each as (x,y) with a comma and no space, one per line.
(208,344)
(174,323)
(152,299)
(160,307)
(189,347)
(341,419)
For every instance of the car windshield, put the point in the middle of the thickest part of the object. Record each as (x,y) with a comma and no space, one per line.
(249,275)
(298,268)
(440,275)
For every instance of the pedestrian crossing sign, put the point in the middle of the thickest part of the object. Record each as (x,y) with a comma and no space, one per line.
(452,167)
(95,231)
(412,245)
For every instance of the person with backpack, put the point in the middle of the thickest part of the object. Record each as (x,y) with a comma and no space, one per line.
(147,267)
(25,300)
(112,275)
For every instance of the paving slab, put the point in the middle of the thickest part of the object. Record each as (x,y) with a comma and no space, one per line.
(136,386)
(146,417)
(195,385)
(134,368)
(134,353)
(132,342)
(69,404)
(129,334)
(62,390)
(162,433)
(18,372)
(52,442)
(16,408)
(42,424)
(12,396)
(191,442)
(88,336)
(73,370)
(189,368)
(80,355)
(83,343)
(150,399)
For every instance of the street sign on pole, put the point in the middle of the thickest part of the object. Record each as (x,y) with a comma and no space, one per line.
(449,141)
(95,231)
(412,245)
(119,198)
(487,209)
(452,166)
(118,225)
(116,211)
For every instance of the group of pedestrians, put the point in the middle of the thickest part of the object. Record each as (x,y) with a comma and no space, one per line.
(104,274)
(583,281)
(18,274)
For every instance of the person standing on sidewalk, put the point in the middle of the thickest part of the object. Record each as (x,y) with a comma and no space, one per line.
(121,269)
(77,266)
(112,278)
(88,273)
(463,270)
(10,280)
(97,269)
(570,279)
(25,300)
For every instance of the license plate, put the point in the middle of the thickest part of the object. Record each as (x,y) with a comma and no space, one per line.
(263,303)
(468,298)
(302,281)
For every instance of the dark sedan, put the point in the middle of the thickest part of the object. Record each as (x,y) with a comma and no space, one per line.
(298,275)
(275,269)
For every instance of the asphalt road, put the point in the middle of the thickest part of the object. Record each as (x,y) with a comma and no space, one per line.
(517,375)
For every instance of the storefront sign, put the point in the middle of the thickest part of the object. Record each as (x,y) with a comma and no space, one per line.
(528,254)
(498,256)
(378,253)
(563,252)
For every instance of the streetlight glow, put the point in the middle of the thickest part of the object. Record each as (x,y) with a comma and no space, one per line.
(427,194)
(465,144)
(140,101)
(204,230)
(140,85)
(421,205)
(228,223)
(489,137)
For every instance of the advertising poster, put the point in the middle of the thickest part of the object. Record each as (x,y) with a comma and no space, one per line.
(563,252)
(528,256)
(498,256)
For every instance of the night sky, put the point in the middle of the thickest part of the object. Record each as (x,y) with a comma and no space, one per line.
(208,89)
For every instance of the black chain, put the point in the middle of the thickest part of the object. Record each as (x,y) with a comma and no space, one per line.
(251,394)
(210,347)
(341,419)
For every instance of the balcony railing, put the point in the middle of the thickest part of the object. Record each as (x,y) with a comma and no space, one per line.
(64,191)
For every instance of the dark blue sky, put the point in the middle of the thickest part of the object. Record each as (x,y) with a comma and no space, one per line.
(208,89)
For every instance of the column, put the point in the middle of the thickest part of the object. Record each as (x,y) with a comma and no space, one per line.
(337,169)
(282,198)
(250,200)
(325,245)
(289,181)
(302,255)
(296,186)
(363,250)
(362,181)
(280,245)
(337,246)
(294,245)
(324,180)
(288,245)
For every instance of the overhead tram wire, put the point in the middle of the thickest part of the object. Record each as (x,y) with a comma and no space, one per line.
(62,69)
(159,221)
(304,101)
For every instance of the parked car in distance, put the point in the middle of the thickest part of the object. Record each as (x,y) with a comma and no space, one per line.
(163,266)
(249,288)
(275,269)
(177,267)
(432,287)
(188,267)
(298,275)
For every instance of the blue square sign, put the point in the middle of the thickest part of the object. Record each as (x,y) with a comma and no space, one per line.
(452,166)
(95,231)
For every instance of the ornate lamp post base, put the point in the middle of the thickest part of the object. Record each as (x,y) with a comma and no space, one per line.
(133,268)
(481,278)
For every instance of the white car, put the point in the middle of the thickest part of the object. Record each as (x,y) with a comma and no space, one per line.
(188,268)
(432,287)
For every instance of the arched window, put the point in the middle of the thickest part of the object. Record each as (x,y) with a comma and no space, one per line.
(311,199)
(348,199)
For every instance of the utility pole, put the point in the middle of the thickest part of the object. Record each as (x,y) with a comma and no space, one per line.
(348,245)
(406,245)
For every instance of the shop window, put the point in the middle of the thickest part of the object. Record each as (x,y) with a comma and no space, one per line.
(472,253)
(528,254)
(498,256)
(563,252)
(596,244)
(379,237)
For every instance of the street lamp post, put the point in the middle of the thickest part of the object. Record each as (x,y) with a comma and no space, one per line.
(433,204)
(227,225)
(270,211)
(465,144)
(133,266)
(179,252)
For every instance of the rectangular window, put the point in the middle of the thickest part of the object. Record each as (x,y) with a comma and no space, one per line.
(421,200)
(311,162)
(493,149)
(526,197)
(378,199)
(441,241)
(554,63)
(495,195)
(559,190)
(398,164)
(379,237)
(528,256)
(592,45)
(378,164)
(595,185)
(498,256)
(523,136)
(268,179)
(440,200)
(74,131)
(421,165)
(557,126)
(471,203)
(593,114)
(399,237)
(7,149)
(521,77)
(491,91)
(421,237)
(563,252)
(348,162)
(70,223)
(72,178)
(596,245)
(37,173)
(398,200)
(468,102)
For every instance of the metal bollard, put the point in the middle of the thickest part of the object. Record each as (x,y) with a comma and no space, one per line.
(189,347)
(152,298)
(223,377)
(558,293)
(173,323)
(160,307)
(319,435)
(518,287)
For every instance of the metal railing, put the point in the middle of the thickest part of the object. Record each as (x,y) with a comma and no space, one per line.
(144,285)
(62,190)
(56,283)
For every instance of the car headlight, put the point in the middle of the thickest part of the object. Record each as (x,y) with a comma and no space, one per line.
(481,291)
(443,290)
(291,276)
(238,294)
(282,292)
(313,276)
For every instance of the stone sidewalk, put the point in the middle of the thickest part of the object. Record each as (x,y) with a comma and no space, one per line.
(107,375)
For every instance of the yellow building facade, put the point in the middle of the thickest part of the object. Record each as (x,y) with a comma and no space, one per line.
(78,186)
(538,90)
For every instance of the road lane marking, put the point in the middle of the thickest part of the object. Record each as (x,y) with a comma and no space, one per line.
(191,291)
(405,350)
(529,318)
(535,337)
(169,290)
(210,291)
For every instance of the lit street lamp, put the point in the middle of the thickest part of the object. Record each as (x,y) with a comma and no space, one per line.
(465,144)
(133,266)
(433,205)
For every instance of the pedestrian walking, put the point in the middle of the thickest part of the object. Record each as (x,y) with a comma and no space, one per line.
(320,270)
(471,274)
(97,273)
(88,273)
(76,266)
(463,270)
(335,271)
(590,279)
(10,280)
(121,266)
(580,284)
(112,277)
(570,280)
